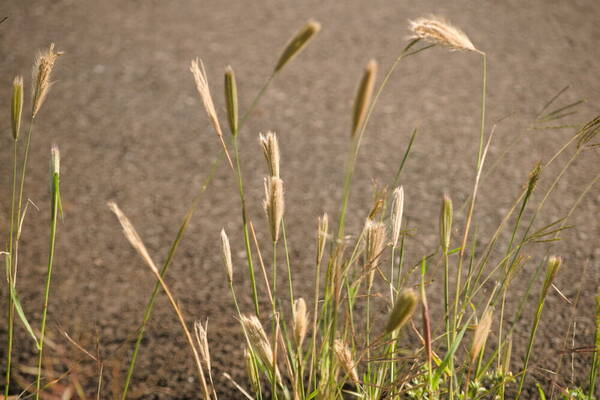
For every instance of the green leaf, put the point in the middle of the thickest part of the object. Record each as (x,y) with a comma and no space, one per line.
(21,314)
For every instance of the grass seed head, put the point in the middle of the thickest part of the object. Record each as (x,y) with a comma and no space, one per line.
(298,42)
(258,339)
(482,330)
(270,146)
(375,242)
(323,229)
(42,70)
(402,311)
(251,370)
(16,106)
(231,99)
(397,209)
(300,321)
(344,356)
(436,30)
(202,340)
(274,204)
(552,268)
(226,250)
(55,160)
(446,223)
(363,96)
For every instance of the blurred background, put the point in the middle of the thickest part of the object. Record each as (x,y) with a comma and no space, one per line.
(131,128)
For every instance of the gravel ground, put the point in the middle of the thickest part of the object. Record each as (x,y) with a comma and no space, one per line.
(130,127)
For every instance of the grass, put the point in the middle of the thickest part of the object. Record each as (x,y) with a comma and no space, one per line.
(340,351)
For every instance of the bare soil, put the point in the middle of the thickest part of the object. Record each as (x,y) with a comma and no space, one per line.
(130,127)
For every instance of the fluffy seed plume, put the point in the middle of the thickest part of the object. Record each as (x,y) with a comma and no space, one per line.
(362,100)
(55,160)
(446,223)
(226,250)
(274,204)
(402,311)
(298,42)
(202,340)
(16,107)
(481,334)
(258,339)
(323,228)
(197,69)
(396,217)
(300,321)
(437,30)
(42,70)
(231,99)
(374,246)
(344,356)
(132,236)
(270,147)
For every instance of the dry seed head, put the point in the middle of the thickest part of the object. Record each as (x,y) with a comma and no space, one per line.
(397,209)
(231,100)
(481,334)
(402,311)
(363,96)
(42,70)
(226,250)
(323,229)
(446,223)
(298,42)
(300,321)
(270,146)
(437,30)
(251,370)
(16,106)
(258,339)
(274,204)
(202,340)
(132,236)
(55,160)
(588,132)
(344,356)
(374,246)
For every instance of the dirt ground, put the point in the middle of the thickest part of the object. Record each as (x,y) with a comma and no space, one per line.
(130,127)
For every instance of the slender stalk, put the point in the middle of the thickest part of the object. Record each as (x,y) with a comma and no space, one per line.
(53,223)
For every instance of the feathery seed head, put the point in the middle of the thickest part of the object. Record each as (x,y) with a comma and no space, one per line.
(274,204)
(231,99)
(402,311)
(226,250)
(362,100)
(258,339)
(16,106)
(482,330)
(375,243)
(446,223)
(323,228)
(202,340)
(397,209)
(300,321)
(298,42)
(344,356)
(42,70)
(270,146)
(437,30)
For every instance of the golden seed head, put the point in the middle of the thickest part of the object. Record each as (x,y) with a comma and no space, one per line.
(375,243)
(298,42)
(437,30)
(344,356)
(132,236)
(55,157)
(300,321)
(402,311)
(364,93)
(446,223)
(42,70)
(197,69)
(226,250)
(16,106)
(231,99)
(258,339)
(274,204)
(270,146)
(202,340)
(481,334)
(323,229)
(396,217)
